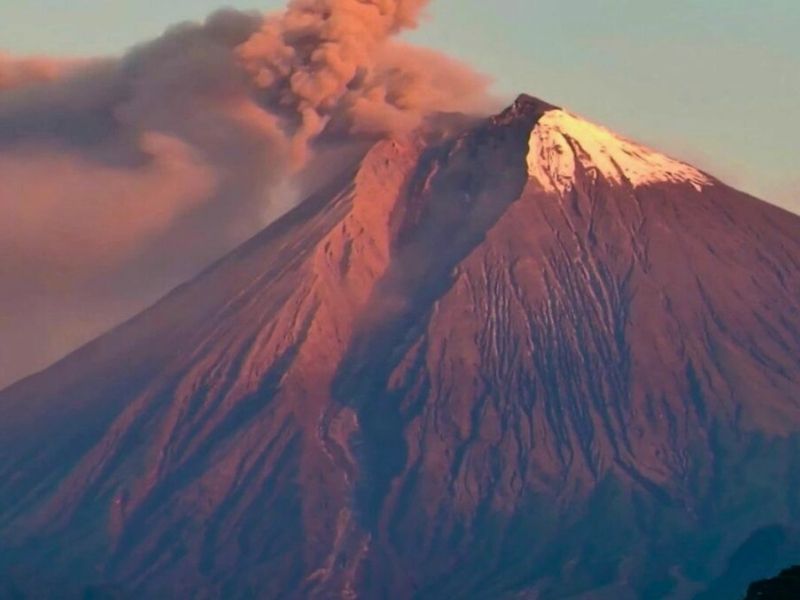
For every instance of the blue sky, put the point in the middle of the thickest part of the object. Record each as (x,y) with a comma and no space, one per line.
(716,82)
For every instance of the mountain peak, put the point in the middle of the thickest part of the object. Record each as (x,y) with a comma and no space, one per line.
(527,108)
(564,147)
(526,102)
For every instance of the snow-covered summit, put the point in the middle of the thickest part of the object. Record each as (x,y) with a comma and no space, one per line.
(561,141)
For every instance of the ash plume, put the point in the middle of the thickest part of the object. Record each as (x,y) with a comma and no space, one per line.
(124,176)
(18,72)
(333,63)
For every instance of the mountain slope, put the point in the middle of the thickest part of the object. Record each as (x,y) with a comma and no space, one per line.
(531,359)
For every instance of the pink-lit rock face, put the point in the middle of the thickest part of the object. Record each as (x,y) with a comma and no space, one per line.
(441,377)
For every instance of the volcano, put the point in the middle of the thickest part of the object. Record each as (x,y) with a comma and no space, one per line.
(525,358)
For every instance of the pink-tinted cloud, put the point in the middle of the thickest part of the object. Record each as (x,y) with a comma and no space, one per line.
(17,72)
(64,211)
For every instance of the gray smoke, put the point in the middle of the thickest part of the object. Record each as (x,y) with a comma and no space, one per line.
(122,177)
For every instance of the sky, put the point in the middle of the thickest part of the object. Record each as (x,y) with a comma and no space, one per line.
(714,82)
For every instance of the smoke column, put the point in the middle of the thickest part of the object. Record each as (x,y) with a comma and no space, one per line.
(122,177)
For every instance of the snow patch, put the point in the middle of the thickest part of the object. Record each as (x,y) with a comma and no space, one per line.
(561,141)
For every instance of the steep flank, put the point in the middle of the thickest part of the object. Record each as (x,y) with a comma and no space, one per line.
(525,359)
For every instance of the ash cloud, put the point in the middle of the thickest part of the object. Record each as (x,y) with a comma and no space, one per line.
(124,176)
(17,72)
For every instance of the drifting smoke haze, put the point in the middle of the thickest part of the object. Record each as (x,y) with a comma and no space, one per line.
(122,177)
(17,72)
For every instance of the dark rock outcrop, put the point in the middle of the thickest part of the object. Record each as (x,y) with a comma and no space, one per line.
(785,586)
